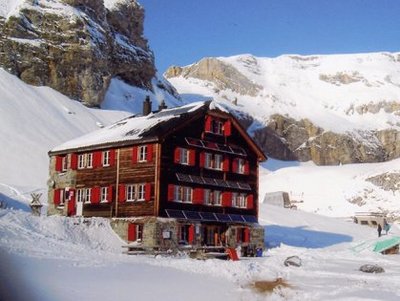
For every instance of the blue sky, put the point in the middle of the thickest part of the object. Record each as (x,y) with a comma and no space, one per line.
(181,32)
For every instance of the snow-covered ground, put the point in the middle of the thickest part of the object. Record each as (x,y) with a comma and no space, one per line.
(59,258)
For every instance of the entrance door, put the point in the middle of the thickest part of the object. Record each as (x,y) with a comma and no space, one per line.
(212,235)
(79,208)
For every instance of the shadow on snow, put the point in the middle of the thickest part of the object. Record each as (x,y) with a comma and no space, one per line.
(301,237)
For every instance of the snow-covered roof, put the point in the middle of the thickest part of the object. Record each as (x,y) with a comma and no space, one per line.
(133,128)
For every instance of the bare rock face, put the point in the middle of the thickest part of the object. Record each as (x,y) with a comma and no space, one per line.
(77,46)
(287,139)
(223,75)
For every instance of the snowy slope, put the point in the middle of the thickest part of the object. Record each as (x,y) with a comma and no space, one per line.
(59,258)
(332,91)
(34,120)
(329,190)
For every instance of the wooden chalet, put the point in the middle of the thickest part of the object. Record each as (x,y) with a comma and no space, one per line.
(176,177)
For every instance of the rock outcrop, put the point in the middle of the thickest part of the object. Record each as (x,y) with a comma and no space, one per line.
(77,46)
(224,76)
(287,139)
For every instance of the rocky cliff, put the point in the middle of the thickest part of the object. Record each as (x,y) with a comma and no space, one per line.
(76,46)
(328,109)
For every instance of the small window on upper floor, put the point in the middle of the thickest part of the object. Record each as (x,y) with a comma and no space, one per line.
(217,127)
(106,158)
(142,153)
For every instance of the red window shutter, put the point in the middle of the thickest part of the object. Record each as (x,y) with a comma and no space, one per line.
(246,237)
(208,124)
(198,194)
(177,155)
(225,166)
(171,191)
(235,165)
(110,195)
(149,153)
(97,159)
(134,154)
(95,199)
(227,128)
(192,157)
(191,234)
(250,201)
(112,157)
(147,192)
(121,193)
(59,163)
(246,168)
(202,159)
(71,208)
(74,161)
(56,198)
(131,232)
(227,199)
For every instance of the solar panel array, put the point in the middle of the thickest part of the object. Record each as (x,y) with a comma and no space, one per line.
(216,146)
(210,216)
(212,182)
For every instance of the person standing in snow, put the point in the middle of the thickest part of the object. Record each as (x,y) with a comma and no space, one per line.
(386,226)
(379,230)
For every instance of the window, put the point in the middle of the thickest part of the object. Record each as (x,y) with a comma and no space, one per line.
(139,232)
(212,197)
(208,161)
(184,156)
(217,127)
(218,162)
(141,192)
(81,161)
(240,166)
(89,160)
(106,158)
(104,194)
(130,192)
(64,163)
(183,194)
(87,195)
(239,200)
(62,197)
(135,192)
(217,198)
(213,161)
(207,197)
(142,153)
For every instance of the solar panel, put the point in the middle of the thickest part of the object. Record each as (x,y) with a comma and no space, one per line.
(192,215)
(238,150)
(197,179)
(183,178)
(175,213)
(245,186)
(236,218)
(233,184)
(250,218)
(194,142)
(209,181)
(224,148)
(211,145)
(208,216)
(221,182)
(223,217)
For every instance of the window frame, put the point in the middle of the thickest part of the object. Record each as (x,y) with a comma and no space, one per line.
(89,160)
(130,191)
(81,161)
(64,163)
(217,127)
(104,194)
(183,156)
(105,158)
(142,153)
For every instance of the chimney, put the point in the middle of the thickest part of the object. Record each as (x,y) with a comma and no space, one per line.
(162,105)
(146,106)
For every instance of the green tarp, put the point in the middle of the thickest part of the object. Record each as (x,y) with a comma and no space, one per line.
(383,245)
